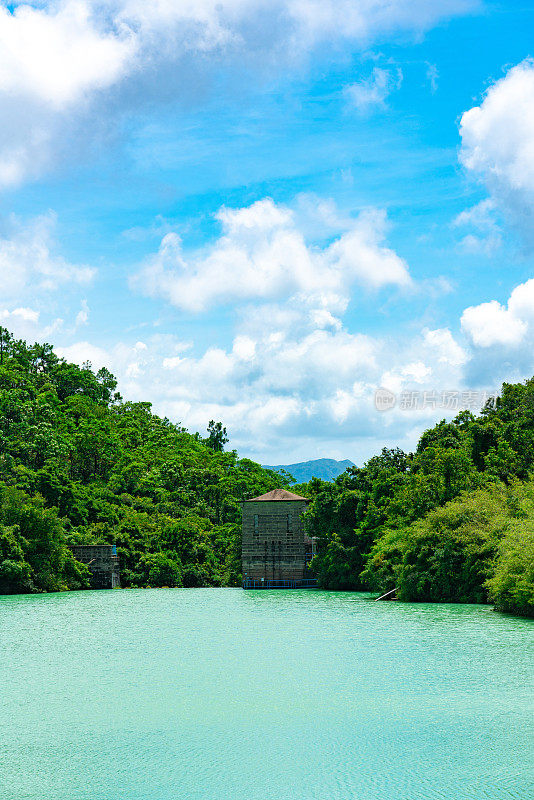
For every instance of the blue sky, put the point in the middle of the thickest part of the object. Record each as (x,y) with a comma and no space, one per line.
(262,212)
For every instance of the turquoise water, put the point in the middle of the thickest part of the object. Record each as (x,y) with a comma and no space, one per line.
(225,694)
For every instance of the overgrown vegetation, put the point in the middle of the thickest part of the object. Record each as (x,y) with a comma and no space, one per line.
(79,465)
(453,521)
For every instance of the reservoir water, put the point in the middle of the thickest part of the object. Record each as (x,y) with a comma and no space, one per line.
(222,694)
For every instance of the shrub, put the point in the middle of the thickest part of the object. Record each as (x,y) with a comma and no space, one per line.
(511,587)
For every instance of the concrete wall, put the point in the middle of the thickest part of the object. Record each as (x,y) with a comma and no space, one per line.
(103,564)
(274,544)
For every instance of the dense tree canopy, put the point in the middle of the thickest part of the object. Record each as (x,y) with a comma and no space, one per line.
(437,524)
(78,466)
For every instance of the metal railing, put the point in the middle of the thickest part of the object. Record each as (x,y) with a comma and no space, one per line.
(259,583)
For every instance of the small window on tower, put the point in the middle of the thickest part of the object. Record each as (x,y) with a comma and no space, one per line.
(290,523)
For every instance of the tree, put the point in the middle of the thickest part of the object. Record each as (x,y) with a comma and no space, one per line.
(87,468)
(511,587)
(217,437)
(159,569)
(5,339)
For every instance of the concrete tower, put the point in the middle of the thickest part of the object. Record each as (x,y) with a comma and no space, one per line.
(274,545)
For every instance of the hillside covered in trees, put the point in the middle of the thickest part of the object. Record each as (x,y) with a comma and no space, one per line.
(78,465)
(452,522)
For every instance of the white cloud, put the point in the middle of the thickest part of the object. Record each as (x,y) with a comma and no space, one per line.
(22,322)
(479,215)
(263,255)
(80,352)
(447,349)
(294,387)
(322,318)
(491,323)
(498,142)
(521,302)
(54,59)
(432,75)
(487,238)
(413,373)
(25,323)
(82,317)
(58,58)
(28,260)
(39,324)
(300,23)
(58,53)
(260,389)
(171,363)
(373,91)
(367,19)
(244,348)
(26,314)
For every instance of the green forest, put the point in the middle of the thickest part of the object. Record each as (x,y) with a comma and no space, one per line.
(78,465)
(452,522)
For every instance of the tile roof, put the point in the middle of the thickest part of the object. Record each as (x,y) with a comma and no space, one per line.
(276,494)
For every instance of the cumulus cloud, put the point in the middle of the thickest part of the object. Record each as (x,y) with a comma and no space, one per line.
(287,387)
(498,143)
(28,258)
(53,59)
(22,321)
(491,323)
(263,255)
(56,54)
(26,323)
(83,352)
(373,92)
(25,314)
(294,371)
(60,58)
(446,348)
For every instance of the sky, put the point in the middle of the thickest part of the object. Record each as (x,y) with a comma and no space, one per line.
(312,220)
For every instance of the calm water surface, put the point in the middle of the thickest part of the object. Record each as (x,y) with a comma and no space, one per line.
(222,694)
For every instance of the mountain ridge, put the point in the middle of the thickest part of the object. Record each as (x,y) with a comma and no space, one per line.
(327,469)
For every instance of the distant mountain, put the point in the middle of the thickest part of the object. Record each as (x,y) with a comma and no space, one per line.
(325,468)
